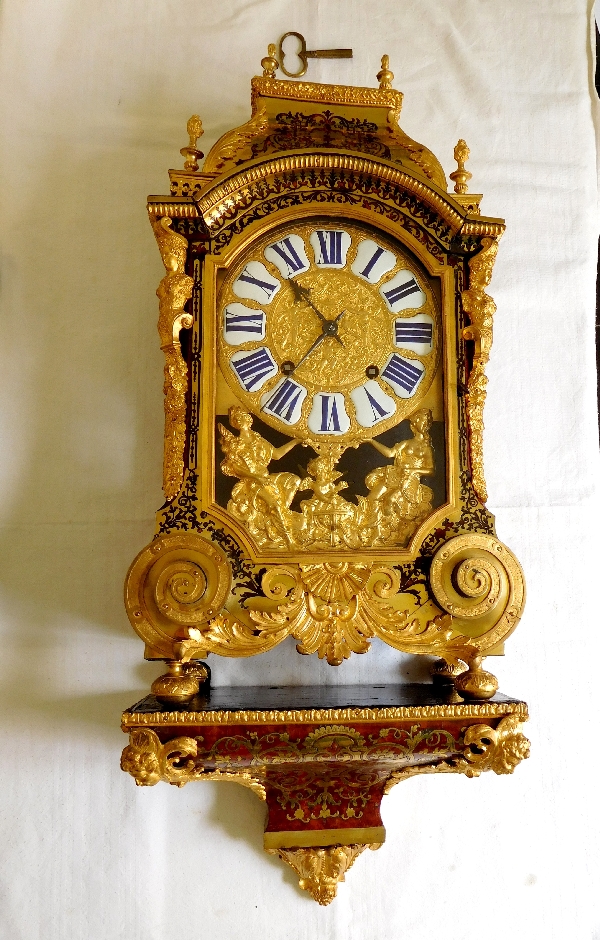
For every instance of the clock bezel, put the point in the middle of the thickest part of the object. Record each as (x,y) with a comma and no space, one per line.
(404,261)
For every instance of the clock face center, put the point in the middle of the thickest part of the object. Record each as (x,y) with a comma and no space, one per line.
(353,314)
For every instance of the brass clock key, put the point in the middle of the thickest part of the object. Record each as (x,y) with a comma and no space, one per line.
(305,54)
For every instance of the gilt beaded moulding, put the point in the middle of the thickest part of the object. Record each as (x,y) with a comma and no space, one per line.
(326,327)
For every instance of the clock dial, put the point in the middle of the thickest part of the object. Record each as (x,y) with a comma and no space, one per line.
(329,332)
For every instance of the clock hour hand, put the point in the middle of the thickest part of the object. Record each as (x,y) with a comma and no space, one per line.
(303,293)
(329,329)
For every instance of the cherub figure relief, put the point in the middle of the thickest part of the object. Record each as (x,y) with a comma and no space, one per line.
(328,517)
(398,502)
(261,499)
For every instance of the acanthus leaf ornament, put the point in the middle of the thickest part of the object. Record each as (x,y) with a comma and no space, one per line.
(335,609)
(233,145)
(321,870)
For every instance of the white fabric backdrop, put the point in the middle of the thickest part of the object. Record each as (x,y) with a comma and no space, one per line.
(94,102)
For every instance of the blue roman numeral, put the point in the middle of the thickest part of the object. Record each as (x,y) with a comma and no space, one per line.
(269,289)
(413,333)
(329,414)
(244,322)
(330,244)
(253,367)
(403,290)
(376,408)
(288,253)
(402,373)
(283,401)
(370,264)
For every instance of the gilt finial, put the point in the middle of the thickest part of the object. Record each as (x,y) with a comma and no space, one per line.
(460,175)
(270,63)
(191,154)
(385,77)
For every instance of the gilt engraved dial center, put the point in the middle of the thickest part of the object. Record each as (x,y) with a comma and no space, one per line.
(362,329)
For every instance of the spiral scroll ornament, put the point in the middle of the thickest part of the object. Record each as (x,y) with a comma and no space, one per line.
(177,582)
(477,579)
(179,588)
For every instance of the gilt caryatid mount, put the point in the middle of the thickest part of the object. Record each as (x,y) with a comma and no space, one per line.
(326,328)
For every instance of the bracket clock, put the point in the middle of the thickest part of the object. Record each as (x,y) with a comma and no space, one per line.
(326,326)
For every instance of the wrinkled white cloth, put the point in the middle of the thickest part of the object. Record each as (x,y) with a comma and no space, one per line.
(94,100)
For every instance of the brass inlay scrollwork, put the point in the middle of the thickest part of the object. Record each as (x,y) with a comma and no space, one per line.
(173,292)
(148,761)
(233,145)
(480,748)
(481,309)
(222,201)
(478,580)
(498,749)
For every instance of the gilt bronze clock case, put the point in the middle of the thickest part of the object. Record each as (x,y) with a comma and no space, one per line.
(326,327)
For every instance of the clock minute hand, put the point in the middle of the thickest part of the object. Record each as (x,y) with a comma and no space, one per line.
(329,331)
(318,340)
(303,293)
